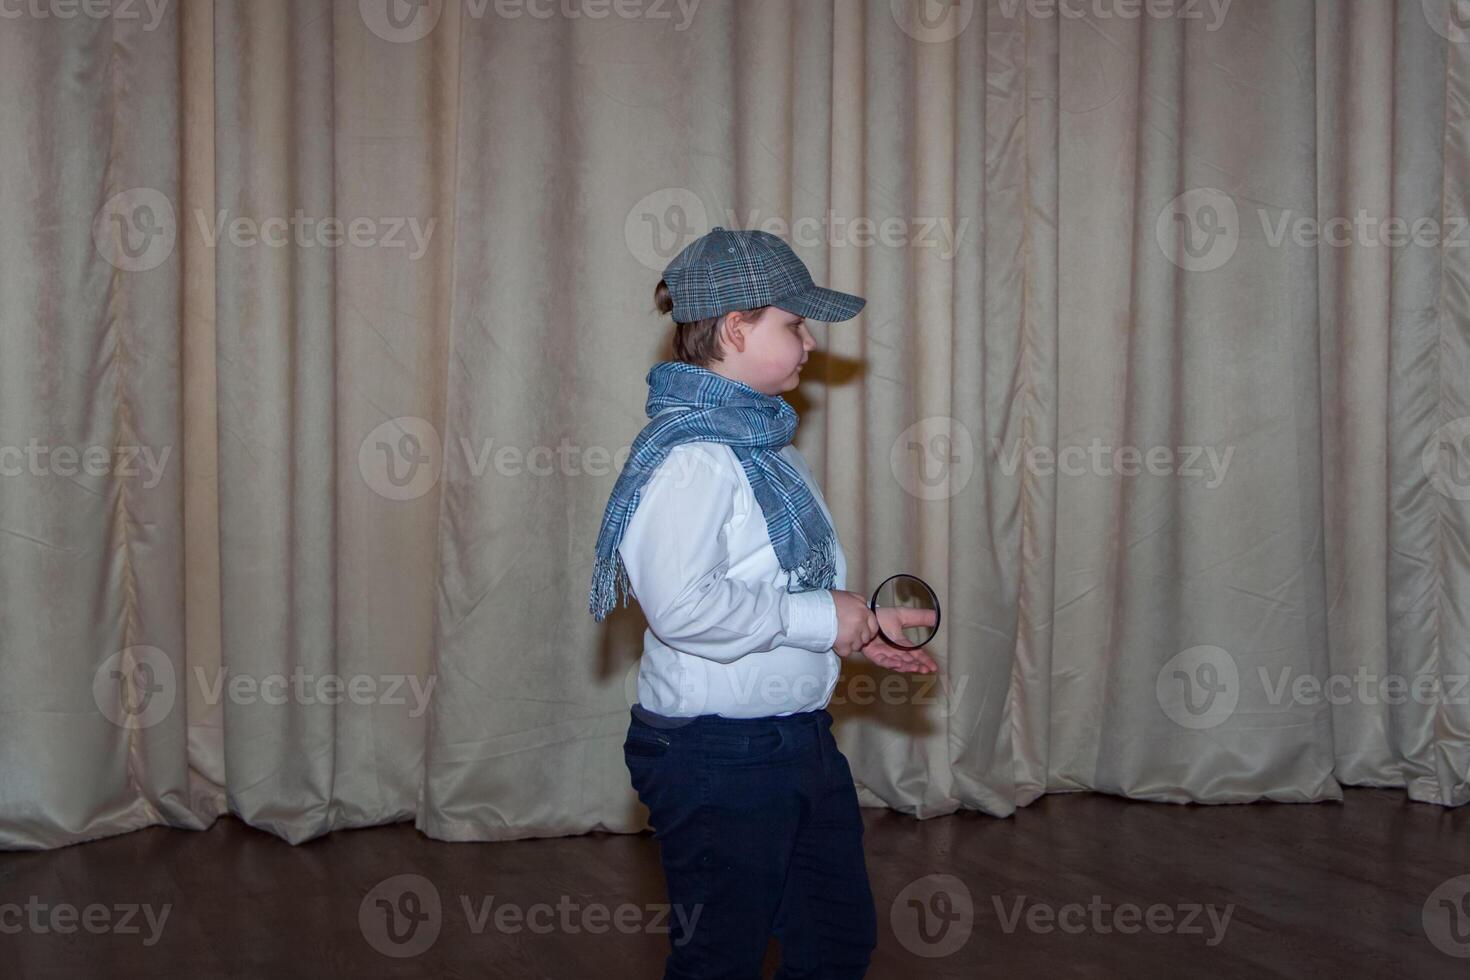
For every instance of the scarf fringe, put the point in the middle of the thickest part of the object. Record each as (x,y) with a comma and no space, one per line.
(608,577)
(818,570)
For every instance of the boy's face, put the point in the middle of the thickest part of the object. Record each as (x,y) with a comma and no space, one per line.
(775,346)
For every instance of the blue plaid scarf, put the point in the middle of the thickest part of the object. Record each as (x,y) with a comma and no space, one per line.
(756,426)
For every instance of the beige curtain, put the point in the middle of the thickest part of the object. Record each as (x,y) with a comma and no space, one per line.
(323,324)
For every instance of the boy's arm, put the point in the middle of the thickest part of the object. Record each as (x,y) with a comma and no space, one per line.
(676,553)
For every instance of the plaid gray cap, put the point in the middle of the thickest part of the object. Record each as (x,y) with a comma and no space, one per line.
(726,270)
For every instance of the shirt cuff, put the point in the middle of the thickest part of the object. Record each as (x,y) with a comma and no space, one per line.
(811,620)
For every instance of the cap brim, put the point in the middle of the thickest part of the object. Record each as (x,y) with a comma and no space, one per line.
(824,305)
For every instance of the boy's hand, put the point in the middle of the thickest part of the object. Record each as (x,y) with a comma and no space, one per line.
(893,620)
(856,624)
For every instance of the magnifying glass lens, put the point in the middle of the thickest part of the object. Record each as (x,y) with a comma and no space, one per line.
(914,599)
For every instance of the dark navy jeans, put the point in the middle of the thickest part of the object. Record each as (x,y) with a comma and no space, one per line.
(759,834)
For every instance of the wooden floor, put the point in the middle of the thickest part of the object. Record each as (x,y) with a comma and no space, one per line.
(1313,890)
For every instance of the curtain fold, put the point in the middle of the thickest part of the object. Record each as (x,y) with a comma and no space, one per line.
(325,326)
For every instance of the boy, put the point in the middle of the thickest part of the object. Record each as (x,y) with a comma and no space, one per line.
(718,527)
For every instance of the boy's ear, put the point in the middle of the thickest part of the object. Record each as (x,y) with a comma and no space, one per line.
(732,330)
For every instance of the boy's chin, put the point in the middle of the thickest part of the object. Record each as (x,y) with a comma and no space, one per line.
(790,383)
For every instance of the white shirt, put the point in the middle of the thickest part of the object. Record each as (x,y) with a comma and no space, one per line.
(724,636)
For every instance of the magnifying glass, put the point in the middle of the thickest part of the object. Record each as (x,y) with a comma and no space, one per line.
(906,592)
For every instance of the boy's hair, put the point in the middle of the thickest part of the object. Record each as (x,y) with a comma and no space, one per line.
(696,343)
